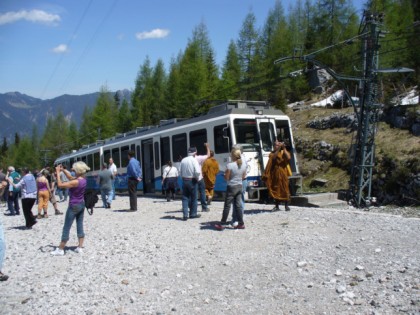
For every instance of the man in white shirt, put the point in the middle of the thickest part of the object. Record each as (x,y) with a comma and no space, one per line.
(190,172)
(113,168)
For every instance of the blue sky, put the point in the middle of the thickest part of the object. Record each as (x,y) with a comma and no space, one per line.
(55,47)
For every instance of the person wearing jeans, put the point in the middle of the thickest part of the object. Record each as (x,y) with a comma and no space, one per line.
(190,172)
(3,277)
(76,209)
(235,173)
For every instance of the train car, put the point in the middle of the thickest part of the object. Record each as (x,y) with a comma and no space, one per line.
(252,124)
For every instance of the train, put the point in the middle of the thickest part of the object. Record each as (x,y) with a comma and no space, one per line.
(253,124)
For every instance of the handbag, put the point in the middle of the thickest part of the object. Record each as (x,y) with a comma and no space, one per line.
(289,170)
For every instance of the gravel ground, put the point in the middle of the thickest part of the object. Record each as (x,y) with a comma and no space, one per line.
(306,261)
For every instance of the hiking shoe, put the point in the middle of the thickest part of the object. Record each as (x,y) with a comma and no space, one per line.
(195,216)
(39,216)
(45,216)
(275,209)
(240,227)
(3,277)
(287,208)
(219,227)
(58,252)
(206,210)
(79,250)
(58,212)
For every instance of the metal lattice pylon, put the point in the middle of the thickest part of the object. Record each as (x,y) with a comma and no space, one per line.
(367,114)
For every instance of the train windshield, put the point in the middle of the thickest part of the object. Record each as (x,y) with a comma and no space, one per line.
(248,134)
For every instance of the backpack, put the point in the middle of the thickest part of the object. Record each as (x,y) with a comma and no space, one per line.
(91,198)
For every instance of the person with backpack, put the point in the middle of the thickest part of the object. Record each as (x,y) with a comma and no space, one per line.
(76,209)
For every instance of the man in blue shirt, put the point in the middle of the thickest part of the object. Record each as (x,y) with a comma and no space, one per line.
(134,174)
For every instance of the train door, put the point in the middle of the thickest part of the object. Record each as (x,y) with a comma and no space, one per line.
(267,135)
(148,165)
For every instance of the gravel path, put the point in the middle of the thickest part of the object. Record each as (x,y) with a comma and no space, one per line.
(307,261)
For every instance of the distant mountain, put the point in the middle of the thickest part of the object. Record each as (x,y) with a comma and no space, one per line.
(20,112)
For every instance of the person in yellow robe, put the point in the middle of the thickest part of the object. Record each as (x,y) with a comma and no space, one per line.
(210,169)
(276,175)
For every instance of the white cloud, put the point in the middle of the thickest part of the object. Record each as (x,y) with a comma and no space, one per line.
(60,49)
(35,16)
(156,33)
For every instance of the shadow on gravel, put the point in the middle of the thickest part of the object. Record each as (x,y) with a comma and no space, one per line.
(175,211)
(170,217)
(125,210)
(21,227)
(209,225)
(47,248)
(256,211)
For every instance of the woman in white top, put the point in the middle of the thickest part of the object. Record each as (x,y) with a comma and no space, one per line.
(234,174)
(170,181)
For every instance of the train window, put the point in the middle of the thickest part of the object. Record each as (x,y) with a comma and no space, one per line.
(107,156)
(283,132)
(165,150)
(179,146)
(72,160)
(133,147)
(96,161)
(197,139)
(157,162)
(83,159)
(267,135)
(90,161)
(221,139)
(138,152)
(124,155)
(116,157)
(246,133)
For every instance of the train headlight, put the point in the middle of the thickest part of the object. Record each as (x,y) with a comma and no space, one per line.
(252,183)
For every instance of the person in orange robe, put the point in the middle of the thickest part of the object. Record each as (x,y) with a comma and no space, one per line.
(210,170)
(276,175)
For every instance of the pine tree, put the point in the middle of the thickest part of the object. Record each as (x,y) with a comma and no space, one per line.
(142,96)
(124,118)
(104,115)
(158,86)
(173,92)
(247,46)
(87,133)
(231,74)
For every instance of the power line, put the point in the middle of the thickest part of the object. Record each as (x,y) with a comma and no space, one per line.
(68,45)
(88,46)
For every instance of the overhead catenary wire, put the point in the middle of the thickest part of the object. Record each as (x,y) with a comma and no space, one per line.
(68,45)
(88,46)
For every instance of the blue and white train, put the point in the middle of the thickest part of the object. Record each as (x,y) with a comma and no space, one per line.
(252,124)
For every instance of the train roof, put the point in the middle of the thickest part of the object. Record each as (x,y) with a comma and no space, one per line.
(225,108)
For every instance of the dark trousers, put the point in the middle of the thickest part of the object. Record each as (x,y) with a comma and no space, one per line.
(233,195)
(27,205)
(202,192)
(13,202)
(132,192)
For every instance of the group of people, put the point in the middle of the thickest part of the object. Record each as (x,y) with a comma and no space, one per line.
(198,173)
(31,187)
